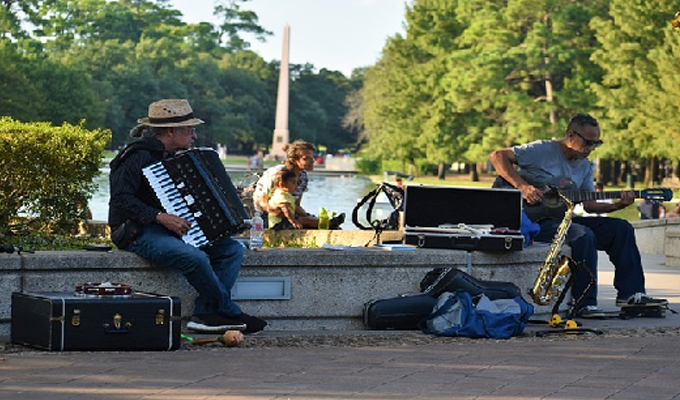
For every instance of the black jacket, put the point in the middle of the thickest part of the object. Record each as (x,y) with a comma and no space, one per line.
(132,198)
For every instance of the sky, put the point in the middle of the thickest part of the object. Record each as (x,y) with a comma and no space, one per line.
(338,35)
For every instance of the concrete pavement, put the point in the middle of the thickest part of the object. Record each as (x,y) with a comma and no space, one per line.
(633,359)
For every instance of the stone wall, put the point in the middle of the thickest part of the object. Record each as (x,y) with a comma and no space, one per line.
(296,288)
(651,236)
(320,289)
(672,247)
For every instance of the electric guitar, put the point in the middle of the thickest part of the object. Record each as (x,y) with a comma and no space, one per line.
(552,205)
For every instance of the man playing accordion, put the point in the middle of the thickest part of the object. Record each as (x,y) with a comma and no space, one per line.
(140,224)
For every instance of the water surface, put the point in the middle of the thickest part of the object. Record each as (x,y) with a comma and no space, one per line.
(339,193)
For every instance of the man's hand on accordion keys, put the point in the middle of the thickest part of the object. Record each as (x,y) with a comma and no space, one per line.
(174,223)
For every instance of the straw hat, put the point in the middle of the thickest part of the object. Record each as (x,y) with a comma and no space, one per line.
(170,113)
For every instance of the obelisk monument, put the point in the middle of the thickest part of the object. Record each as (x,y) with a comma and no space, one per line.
(281,135)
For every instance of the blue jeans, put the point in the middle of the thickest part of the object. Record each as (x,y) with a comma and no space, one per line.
(586,236)
(212,271)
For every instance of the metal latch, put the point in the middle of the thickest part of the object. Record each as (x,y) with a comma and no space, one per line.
(75,318)
(160,317)
(118,326)
(117,319)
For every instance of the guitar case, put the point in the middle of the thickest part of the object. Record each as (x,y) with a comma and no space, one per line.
(441,280)
(398,313)
(404,312)
(471,219)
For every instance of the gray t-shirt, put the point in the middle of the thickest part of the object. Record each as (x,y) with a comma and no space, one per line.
(542,163)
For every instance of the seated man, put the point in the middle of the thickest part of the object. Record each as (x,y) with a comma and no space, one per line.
(139,223)
(564,164)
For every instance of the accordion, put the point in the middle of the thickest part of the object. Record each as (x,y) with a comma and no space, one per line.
(194,185)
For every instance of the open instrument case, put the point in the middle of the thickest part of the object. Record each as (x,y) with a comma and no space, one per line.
(459,218)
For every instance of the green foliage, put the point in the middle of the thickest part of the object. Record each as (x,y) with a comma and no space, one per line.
(470,77)
(105,60)
(30,240)
(368,166)
(640,102)
(46,172)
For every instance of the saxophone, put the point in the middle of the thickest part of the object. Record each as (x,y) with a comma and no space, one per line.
(557,268)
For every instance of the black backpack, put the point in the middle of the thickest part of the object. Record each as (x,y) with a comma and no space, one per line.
(395,195)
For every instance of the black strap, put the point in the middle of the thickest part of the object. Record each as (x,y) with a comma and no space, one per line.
(355,218)
(131,148)
(395,197)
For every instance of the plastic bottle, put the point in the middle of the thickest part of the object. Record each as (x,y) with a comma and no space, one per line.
(256,231)
(323,218)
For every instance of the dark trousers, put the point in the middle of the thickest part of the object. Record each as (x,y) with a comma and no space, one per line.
(586,236)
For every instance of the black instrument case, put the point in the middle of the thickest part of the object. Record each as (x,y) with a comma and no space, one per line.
(458,218)
(404,312)
(59,321)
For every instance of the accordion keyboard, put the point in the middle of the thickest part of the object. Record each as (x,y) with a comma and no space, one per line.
(187,189)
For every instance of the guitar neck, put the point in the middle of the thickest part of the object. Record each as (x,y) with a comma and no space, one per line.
(578,197)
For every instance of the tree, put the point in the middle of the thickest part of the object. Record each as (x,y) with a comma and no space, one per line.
(236,21)
(17,92)
(629,97)
(390,106)
(321,107)
(523,79)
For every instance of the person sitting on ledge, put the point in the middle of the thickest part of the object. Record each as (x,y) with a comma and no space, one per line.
(139,223)
(300,159)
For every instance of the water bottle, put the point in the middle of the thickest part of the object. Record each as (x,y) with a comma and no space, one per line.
(256,230)
(323,218)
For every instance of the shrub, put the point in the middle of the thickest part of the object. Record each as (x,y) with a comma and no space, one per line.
(46,173)
(368,166)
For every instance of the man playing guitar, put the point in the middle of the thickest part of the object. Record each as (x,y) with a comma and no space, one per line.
(564,164)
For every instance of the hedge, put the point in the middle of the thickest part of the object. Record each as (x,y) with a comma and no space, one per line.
(46,174)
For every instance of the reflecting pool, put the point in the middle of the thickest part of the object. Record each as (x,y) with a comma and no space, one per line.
(339,193)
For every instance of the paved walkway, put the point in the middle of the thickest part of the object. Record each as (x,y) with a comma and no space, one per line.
(634,359)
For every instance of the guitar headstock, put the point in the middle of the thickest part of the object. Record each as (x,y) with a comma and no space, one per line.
(659,194)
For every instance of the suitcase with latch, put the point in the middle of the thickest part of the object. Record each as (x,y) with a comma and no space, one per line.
(68,321)
(458,218)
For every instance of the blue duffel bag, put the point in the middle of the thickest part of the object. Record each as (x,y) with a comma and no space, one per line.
(457,314)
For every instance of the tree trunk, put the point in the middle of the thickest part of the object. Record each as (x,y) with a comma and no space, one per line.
(413,168)
(616,170)
(548,77)
(598,170)
(441,171)
(624,171)
(474,173)
(549,94)
(605,171)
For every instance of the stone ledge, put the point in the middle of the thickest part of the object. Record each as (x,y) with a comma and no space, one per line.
(328,288)
(650,234)
(672,247)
